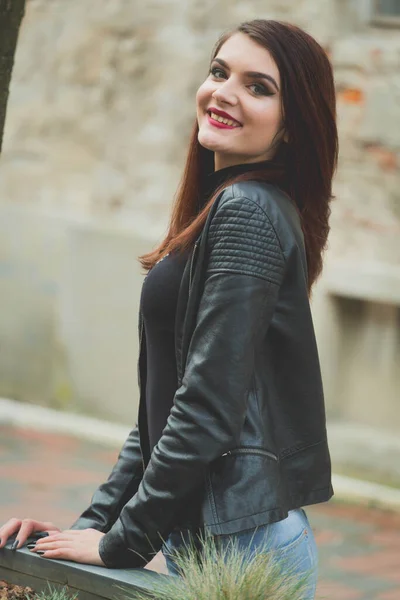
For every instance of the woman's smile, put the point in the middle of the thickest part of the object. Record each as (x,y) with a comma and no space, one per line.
(222,120)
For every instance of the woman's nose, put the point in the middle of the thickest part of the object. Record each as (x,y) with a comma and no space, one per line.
(225,94)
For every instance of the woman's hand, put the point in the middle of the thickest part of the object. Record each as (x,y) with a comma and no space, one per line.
(24,528)
(77,545)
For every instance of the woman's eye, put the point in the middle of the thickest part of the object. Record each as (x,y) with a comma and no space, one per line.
(217,72)
(260,90)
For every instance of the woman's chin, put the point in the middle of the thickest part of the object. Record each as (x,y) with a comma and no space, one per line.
(211,141)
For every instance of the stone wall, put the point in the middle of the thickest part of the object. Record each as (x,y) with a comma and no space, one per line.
(101,104)
(103,96)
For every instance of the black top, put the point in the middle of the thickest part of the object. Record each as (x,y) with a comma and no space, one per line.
(158,305)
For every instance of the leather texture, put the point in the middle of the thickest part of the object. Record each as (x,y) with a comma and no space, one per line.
(245,441)
(121,485)
(239,222)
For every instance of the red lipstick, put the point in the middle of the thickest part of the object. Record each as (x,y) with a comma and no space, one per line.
(224,115)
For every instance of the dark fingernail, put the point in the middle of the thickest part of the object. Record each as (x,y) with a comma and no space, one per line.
(31,546)
(42,534)
(40,552)
(15,545)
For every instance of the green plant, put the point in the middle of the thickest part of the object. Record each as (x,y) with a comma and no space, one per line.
(228,573)
(56,594)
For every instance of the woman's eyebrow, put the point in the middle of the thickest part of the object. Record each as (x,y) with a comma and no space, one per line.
(254,74)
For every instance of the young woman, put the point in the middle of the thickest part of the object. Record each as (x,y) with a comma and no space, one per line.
(231,435)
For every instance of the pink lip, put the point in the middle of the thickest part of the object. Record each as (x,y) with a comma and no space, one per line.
(219,125)
(222,114)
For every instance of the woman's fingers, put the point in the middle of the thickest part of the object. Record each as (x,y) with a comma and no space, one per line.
(26,529)
(56,536)
(8,529)
(23,528)
(76,545)
(53,541)
(56,545)
(57,540)
(62,554)
(29,526)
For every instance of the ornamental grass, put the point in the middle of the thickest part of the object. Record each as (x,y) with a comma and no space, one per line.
(227,573)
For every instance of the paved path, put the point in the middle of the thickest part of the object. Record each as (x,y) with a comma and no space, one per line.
(52,477)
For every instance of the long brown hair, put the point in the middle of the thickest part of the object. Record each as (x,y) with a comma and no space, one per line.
(303,166)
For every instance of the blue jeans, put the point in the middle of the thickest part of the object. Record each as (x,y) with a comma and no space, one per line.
(291,540)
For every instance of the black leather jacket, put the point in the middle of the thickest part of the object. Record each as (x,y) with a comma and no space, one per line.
(245,441)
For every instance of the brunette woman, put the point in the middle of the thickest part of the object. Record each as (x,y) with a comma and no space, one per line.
(231,435)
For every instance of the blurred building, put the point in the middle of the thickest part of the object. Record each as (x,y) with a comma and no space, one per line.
(101,104)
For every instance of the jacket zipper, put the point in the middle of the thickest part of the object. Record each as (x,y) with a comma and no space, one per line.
(259,451)
(140,335)
(140,384)
(191,266)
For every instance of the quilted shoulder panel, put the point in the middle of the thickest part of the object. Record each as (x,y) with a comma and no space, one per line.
(242,240)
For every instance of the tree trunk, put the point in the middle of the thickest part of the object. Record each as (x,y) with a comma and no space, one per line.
(11,13)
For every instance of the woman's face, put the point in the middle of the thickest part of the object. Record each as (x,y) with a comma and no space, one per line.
(243,89)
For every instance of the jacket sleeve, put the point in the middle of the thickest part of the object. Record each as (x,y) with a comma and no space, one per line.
(122,484)
(244,271)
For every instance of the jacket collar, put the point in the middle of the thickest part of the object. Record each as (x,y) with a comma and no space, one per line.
(216,178)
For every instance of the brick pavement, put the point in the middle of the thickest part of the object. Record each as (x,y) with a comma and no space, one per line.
(51,476)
